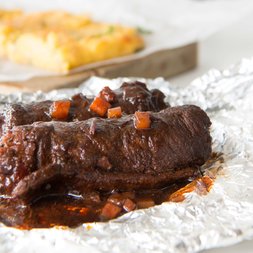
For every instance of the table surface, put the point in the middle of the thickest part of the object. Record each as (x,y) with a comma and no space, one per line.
(219,51)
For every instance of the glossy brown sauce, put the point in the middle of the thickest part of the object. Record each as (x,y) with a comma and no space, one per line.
(72,210)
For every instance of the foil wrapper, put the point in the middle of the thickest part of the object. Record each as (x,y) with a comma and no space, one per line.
(222,217)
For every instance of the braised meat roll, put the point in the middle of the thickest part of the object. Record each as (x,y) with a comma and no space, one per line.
(103,154)
(130,97)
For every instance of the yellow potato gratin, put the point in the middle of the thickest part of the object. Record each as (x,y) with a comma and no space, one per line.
(60,41)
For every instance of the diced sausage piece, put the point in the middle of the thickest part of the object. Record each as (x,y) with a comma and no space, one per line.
(60,109)
(110,211)
(129,205)
(114,112)
(142,120)
(99,106)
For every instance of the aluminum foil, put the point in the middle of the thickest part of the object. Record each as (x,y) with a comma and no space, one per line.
(222,217)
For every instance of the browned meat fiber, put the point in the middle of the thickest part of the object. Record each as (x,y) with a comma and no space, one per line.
(130,97)
(103,154)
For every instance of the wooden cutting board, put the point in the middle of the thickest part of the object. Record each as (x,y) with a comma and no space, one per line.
(165,63)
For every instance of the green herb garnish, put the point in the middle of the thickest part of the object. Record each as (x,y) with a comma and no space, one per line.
(143,31)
